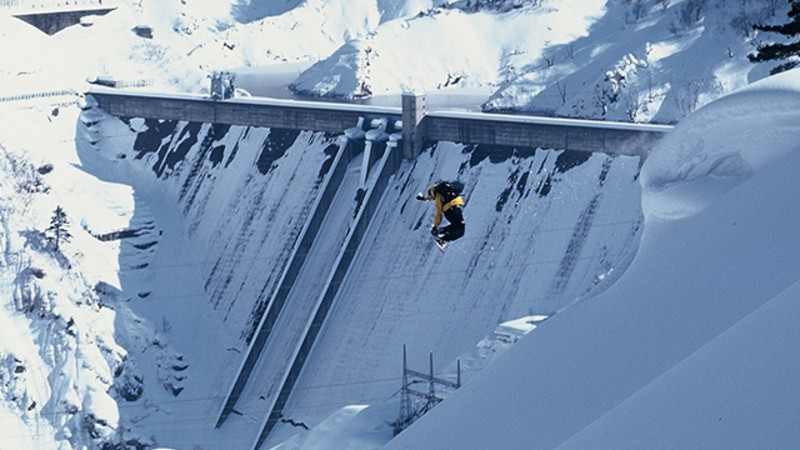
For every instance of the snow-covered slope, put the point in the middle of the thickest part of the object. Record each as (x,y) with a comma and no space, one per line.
(466,49)
(71,347)
(689,346)
(616,59)
(621,60)
(642,61)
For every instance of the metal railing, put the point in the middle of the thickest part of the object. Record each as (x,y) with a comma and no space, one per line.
(53,4)
(33,95)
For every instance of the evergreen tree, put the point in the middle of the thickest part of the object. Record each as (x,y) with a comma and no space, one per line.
(57,231)
(778,51)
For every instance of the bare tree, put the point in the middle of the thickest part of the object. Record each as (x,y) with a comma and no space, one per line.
(602,98)
(689,12)
(634,105)
(639,9)
(687,96)
(562,91)
(570,52)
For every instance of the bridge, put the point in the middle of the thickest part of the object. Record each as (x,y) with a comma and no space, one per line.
(52,17)
(371,144)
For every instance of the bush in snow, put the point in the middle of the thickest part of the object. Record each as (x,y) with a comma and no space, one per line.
(171,368)
(129,382)
(616,80)
(27,177)
(498,5)
(28,294)
(12,383)
(689,13)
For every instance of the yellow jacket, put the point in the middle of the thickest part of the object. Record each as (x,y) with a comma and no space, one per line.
(441,206)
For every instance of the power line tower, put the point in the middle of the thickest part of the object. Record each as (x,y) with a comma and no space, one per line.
(410,410)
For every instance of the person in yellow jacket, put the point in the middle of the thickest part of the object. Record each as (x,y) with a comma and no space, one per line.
(447,201)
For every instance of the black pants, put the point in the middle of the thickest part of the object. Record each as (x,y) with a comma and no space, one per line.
(455,229)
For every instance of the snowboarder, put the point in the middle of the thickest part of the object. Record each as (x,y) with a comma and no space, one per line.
(447,200)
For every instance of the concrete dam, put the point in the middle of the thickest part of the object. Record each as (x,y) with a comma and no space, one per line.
(419,125)
(380,155)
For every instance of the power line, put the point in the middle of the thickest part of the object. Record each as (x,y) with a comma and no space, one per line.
(400,315)
(211,416)
(379,247)
(203,295)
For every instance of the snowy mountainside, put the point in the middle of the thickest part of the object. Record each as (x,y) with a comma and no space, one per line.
(643,61)
(617,60)
(66,357)
(192,39)
(640,61)
(388,60)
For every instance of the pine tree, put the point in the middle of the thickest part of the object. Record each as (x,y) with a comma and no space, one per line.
(58,227)
(778,51)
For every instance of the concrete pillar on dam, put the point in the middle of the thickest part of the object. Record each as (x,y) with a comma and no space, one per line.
(413,113)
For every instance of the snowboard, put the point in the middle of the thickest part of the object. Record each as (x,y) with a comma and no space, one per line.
(440,243)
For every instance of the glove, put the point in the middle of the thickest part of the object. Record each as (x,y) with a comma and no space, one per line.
(434,231)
